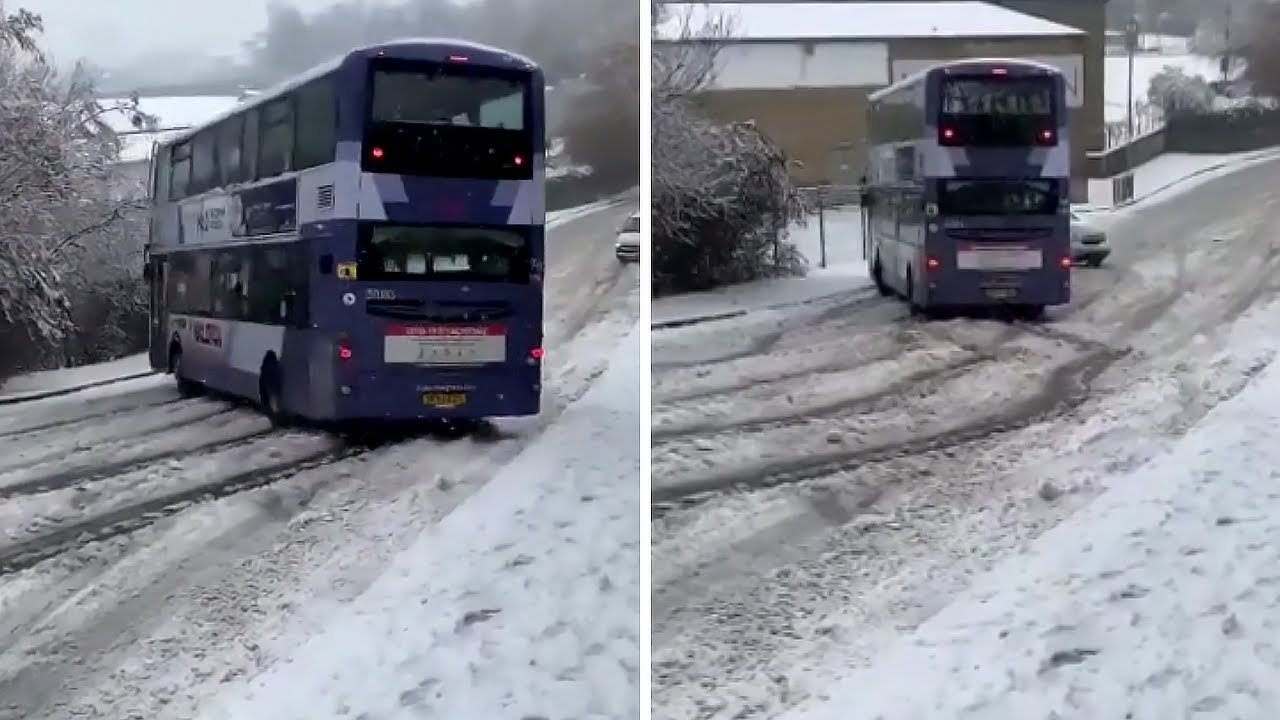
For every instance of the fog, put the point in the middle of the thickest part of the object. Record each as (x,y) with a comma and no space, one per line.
(122,31)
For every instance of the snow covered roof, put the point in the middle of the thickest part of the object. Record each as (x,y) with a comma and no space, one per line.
(860,20)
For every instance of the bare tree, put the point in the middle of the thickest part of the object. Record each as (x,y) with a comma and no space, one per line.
(722,196)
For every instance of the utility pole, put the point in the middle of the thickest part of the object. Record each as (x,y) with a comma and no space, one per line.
(1225,63)
(1131,46)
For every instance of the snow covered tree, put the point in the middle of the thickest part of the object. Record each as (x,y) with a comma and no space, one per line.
(1175,92)
(722,195)
(61,207)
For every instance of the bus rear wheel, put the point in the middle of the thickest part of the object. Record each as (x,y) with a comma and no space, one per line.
(877,276)
(186,388)
(269,394)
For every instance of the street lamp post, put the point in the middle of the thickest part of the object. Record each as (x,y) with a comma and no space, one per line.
(1131,46)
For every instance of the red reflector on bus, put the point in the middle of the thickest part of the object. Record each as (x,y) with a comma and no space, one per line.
(932,263)
(1046,135)
(457,58)
(345,353)
(376,153)
(1067,262)
(519,160)
(948,134)
(536,353)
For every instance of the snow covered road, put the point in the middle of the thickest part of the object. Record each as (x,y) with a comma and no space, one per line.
(139,530)
(827,476)
(1155,601)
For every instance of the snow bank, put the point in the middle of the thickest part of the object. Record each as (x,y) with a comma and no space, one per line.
(1158,600)
(523,602)
(66,378)
(1177,172)
(846,271)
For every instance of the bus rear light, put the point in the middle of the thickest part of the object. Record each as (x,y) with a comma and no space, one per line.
(345,352)
(376,153)
(932,263)
(1046,137)
(947,136)
(458,58)
(519,161)
(536,353)
(1067,262)
(999,71)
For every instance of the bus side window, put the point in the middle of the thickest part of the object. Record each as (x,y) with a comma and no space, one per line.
(298,276)
(275,148)
(180,171)
(315,124)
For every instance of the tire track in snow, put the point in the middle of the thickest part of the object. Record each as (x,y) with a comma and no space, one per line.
(139,514)
(1066,388)
(174,442)
(54,446)
(65,414)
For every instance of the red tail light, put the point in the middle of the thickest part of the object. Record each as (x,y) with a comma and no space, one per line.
(536,353)
(1047,137)
(1067,262)
(519,161)
(345,352)
(932,263)
(376,153)
(947,135)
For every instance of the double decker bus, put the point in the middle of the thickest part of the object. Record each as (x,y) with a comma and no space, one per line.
(363,242)
(968,188)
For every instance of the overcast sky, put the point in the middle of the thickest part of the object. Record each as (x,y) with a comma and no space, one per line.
(109,32)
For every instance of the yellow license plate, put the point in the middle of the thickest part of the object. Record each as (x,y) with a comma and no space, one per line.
(444,400)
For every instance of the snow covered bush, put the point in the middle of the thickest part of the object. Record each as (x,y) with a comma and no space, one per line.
(722,195)
(1175,92)
(70,245)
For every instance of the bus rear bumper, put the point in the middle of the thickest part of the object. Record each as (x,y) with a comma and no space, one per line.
(977,293)
(381,399)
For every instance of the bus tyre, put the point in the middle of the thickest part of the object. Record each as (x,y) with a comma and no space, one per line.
(186,388)
(877,276)
(270,396)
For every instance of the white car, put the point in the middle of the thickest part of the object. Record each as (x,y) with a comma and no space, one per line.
(1088,242)
(627,246)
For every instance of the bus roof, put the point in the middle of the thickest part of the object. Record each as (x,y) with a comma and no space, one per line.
(328,66)
(945,65)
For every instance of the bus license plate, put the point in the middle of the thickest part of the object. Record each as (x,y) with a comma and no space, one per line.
(444,401)
(1001,293)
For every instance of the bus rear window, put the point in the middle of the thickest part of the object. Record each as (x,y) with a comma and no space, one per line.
(1016,97)
(435,253)
(991,111)
(448,120)
(997,197)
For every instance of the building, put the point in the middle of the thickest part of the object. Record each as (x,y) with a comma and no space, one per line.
(802,70)
(171,115)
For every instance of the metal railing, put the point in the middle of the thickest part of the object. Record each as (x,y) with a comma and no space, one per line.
(819,200)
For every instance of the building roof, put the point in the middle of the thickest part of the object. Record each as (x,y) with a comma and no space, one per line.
(859,21)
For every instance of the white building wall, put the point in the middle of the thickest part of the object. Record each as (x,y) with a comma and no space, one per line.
(786,65)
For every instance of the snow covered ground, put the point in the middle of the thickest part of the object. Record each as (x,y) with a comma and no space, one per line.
(1158,600)
(523,602)
(846,272)
(65,378)
(1176,173)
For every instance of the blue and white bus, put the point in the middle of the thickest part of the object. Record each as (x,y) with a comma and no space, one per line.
(968,187)
(363,242)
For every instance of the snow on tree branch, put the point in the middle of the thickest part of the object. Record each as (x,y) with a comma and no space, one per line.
(72,226)
(722,194)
